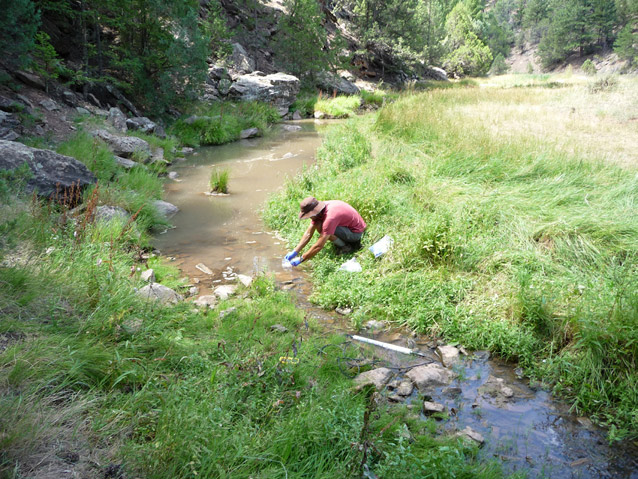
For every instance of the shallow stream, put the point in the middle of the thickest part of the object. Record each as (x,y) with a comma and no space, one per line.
(528,431)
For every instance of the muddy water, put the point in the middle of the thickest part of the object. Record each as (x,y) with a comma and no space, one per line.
(528,432)
(225,233)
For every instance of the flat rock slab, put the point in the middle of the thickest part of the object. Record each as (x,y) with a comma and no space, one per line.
(125,146)
(471,434)
(245,280)
(126,163)
(432,407)
(225,291)
(378,377)
(159,292)
(430,376)
(449,355)
(208,301)
(497,389)
(279,328)
(204,269)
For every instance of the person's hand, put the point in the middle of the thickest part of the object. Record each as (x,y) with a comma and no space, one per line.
(296,261)
(291,255)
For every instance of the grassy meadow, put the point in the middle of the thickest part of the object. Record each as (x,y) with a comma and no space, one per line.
(512,203)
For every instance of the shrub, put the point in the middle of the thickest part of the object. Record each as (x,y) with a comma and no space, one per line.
(606,83)
(498,65)
(589,68)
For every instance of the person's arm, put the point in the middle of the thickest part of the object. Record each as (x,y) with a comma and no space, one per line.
(305,239)
(315,248)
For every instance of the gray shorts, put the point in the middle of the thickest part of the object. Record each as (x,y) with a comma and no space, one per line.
(344,233)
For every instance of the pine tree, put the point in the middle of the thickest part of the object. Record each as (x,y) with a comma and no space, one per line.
(626,45)
(19,23)
(468,55)
(569,30)
(603,20)
(302,43)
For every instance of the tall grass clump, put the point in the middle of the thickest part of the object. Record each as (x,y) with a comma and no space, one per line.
(343,106)
(222,122)
(219,180)
(504,239)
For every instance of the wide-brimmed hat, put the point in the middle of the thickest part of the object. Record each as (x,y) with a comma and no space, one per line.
(310,206)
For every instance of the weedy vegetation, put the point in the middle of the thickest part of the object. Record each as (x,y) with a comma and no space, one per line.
(513,211)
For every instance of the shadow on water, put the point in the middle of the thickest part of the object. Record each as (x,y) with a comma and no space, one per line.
(526,429)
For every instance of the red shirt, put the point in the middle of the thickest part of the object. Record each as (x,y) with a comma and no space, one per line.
(339,213)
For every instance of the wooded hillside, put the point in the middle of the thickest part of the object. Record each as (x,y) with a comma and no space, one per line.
(157,51)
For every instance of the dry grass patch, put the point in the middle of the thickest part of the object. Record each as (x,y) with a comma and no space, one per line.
(595,126)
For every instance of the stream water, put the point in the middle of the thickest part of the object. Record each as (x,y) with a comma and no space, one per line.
(528,431)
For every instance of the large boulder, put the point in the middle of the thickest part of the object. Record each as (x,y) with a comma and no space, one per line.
(279,89)
(51,172)
(331,83)
(240,62)
(125,146)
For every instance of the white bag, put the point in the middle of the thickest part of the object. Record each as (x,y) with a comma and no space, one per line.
(382,246)
(351,266)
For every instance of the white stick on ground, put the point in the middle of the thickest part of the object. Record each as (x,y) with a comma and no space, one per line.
(391,347)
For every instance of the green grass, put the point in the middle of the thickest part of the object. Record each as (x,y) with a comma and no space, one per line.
(132,189)
(339,106)
(305,103)
(222,122)
(219,180)
(513,243)
(169,391)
